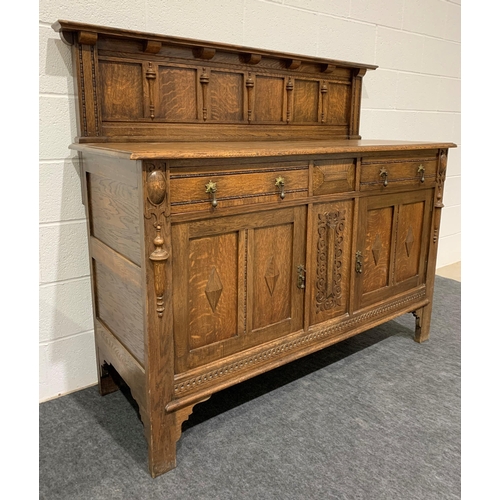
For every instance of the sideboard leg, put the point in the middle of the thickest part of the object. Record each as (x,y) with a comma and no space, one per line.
(106,382)
(161,438)
(162,434)
(422,323)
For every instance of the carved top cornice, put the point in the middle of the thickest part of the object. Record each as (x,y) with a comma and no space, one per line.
(74,32)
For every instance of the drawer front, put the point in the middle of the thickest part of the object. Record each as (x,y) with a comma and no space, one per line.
(383,174)
(198,190)
(333,176)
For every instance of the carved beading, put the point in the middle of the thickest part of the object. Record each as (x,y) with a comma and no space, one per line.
(289,90)
(191,384)
(82,91)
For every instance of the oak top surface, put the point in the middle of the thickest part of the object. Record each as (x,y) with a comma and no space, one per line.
(248,149)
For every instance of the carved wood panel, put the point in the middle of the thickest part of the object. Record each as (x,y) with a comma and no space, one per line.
(378,245)
(121,90)
(272,274)
(392,244)
(177,88)
(269,98)
(226,96)
(306,99)
(212,289)
(331,263)
(236,283)
(409,240)
(338,103)
(114,206)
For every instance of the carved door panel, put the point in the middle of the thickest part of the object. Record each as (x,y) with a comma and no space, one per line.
(330,260)
(235,283)
(392,245)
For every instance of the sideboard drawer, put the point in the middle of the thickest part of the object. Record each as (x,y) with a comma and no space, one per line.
(382,174)
(198,190)
(333,176)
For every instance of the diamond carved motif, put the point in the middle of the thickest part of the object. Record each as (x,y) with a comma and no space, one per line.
(271,275)
(376,248)
(409,241)
(213,289)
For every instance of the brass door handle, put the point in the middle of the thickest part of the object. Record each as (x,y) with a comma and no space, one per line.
(384,174)
(211,188)
(359,263)
(301,279)
(280,182)
(421,170)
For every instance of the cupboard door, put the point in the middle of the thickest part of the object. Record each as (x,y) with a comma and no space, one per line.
(330,260)
(392,245)
(235,283)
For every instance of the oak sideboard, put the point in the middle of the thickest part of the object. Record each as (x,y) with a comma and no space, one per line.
(236,219)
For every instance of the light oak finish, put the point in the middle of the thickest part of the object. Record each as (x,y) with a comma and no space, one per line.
(236,219)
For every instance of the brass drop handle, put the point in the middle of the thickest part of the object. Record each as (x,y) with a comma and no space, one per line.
(301,279)
(359,263)
(211,188)
(280,182)
(384,174)
(421,169)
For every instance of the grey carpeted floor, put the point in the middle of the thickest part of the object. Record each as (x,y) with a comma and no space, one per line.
(375,417)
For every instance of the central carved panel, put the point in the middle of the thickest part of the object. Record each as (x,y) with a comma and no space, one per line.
(330,254)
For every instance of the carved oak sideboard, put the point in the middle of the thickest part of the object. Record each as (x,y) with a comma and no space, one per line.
(236,220)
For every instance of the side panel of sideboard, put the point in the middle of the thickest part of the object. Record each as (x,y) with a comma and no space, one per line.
(112,194)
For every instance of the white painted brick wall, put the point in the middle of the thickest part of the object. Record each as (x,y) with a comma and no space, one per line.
(414,95)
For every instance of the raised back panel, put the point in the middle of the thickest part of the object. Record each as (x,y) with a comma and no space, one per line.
(135,86)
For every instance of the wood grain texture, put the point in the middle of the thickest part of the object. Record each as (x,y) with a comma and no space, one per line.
(254,148)
(333,176)
(338,104)
(237,221)
(177,88)
(114,353)
(409,240)
(122,91)
(330,270)
(114,215)
(226,96)
(212,290)
(118,306)
(400,173)
(269,89)
(236,187)
(393,258)
(376,259)
(272,275)
(306,101)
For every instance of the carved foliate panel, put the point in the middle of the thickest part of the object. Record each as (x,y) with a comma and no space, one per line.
(331,253)
(330,250)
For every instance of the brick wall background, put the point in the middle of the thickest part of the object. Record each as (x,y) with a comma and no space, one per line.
(413,95)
